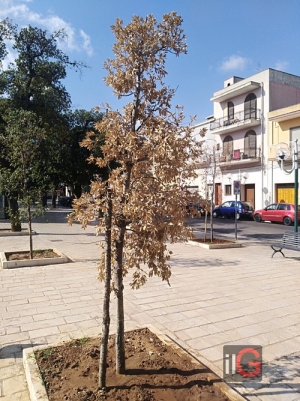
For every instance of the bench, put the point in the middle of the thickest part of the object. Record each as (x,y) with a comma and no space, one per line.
(290,240)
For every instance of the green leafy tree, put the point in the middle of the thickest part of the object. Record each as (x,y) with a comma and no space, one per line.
(23,175)
(155,151)
(34,83)
(7,29)
(79,172)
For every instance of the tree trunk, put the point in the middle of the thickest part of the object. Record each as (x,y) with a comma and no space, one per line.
(212,196)
(44,199)
(53,199)
(77,190)
(205,225)
(30,231)
(211,225)
(118,284)
(106,300)
(211,214)
(14,214)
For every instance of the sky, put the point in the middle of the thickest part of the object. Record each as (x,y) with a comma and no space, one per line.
(225,38)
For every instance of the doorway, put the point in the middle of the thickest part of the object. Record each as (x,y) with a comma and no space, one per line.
(218,194)
(285,193)
(250,194)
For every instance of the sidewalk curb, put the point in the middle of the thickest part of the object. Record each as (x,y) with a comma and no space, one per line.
(214,246)
(9,264)
(37,390)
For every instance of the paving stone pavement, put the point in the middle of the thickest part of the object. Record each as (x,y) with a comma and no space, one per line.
(216,297)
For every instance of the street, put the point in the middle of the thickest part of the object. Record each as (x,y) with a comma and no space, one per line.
(251,231)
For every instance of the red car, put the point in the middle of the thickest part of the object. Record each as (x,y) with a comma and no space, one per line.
(277,212)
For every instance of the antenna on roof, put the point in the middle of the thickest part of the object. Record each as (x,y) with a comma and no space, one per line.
(258,67)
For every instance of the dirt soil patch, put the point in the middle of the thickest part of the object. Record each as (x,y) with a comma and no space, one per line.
(37,254)
(154,371)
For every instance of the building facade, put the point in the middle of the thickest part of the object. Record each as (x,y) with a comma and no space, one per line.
(239,131)
(284,129)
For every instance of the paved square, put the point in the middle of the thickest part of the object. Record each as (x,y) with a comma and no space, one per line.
(216,298)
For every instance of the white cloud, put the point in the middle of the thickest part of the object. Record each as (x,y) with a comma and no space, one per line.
(86,43)
(9,59)
(281,65)
(16,11)
(21,13)
(234,62)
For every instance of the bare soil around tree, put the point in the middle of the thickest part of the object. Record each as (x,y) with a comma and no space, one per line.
(154,371)
(37,254)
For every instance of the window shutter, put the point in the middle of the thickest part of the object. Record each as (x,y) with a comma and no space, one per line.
(228,146)
(250,106)
(250,144)
(230,111)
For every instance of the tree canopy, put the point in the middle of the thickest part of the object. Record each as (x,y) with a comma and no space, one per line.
(154,151)
(79,171)
(34,83)
(151,143)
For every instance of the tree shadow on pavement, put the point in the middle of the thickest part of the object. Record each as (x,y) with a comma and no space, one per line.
(15,350)
(207,263)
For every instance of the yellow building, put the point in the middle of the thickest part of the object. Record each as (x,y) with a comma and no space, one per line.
(284,128)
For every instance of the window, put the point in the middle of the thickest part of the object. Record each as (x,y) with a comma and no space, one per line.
(209,190)
(250,144)
(230,111)
(250,106)
(228,146)
(272,207)
(283,206)
(295,134)
(227,189)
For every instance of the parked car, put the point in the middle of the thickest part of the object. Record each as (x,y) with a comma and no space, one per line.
(277,213)
(198,208)
(227,209)
(65,201)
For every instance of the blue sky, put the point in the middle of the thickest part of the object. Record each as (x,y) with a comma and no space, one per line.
(224,37)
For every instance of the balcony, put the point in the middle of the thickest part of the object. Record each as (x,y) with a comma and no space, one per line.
(240,120)
(240,157)
(239,88)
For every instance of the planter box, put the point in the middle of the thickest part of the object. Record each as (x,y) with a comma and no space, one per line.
(5,232)
(10,264)
(207,245)
(38,392)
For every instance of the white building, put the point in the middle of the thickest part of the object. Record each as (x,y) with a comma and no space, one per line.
(239,127)
(209,173)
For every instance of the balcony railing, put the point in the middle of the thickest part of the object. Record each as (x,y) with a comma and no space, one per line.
(240,154)
(240,118)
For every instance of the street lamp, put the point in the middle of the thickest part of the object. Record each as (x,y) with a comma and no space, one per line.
(244,175)
(282,155)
